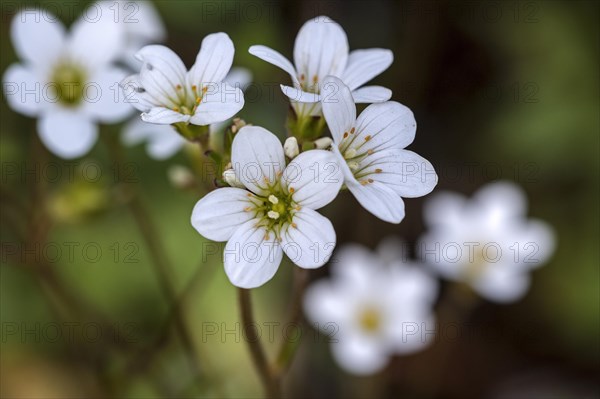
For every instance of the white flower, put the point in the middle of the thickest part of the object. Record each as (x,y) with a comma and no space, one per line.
(167,93)
(139,20)
(275,213)
(163,141)
(321,49)
(66,80)
(486,241)
(377,169)
(374,306)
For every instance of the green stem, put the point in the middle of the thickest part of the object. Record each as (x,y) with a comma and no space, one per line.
(269,379)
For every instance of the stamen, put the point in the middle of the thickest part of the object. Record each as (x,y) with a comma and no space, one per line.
(273,199)
(247,209)
(370,180)
(292,190)
(294,225)
(352,131)
(378,170)
(267,237)
(302,77)
(315,79)
(353,165)
(178,87)
(370,152)
(351,153)
(368,138)
(194,88)
(273,215)
(345,134)
(364,182)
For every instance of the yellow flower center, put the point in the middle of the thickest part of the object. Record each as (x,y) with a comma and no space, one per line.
(68,83)
(369,320)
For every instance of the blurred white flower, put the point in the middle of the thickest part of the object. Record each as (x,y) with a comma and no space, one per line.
(486,241)
(374,306)
(139,20)
(275,213)
(167,93)
(377,169)
(66,80)
(321,49)
(163,141)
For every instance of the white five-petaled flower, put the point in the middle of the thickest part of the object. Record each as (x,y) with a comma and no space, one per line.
(276,213)
(66,80)
(163,141)
(167,93)
(377,169)
(486,241)
(376,304)
(139,20)
(321,49)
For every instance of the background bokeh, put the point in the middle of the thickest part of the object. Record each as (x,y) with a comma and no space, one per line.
(500,90)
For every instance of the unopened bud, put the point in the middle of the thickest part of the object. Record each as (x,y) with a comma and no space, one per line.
(323,143)
(231,179)
(290,147)
(181,177)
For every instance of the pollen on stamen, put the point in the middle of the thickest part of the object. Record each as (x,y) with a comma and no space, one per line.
(249,194)
(370,152)
(368,138)
(273,215)
(294,225)
(345,134)
(364,182)
(302,77)
(292,190)
(178,87)
(378,170)
(298,207)
(352,131)
(273,199)
(204,89)
(247,209)
(194,87)
(315,79)
(267,237)
(176,109)
(370,180)
(198,99)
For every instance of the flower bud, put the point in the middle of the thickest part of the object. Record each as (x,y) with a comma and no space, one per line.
(180,177)
(290,147)
(231,179)
(323,143)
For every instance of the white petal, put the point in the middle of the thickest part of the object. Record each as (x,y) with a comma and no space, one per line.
(257,158)
(164,116)
(136,95)
(163,141)
(327,305)
(375,197)
(371,94)
(38,36)
(390,125)
(380,200)
(299,95)
(219,103)
(502,199)
(213,61)
(273,57)
(311,242)
(536,240)
(239,77)
(499,284)
(354,263)
(364,65)
(444,208)
(338,107)
(316,178)
(321,49)
(147,26)
(406,173)
(23,90)
(221,212)
(251,256)
(95,40)
(359,355)
(164,66)
(68,134)
(103,98)
(163,76)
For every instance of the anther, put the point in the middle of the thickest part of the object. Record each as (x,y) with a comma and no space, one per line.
(273,215)
(273,199)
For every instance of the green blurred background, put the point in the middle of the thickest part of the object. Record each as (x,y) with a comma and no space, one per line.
(499,89)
